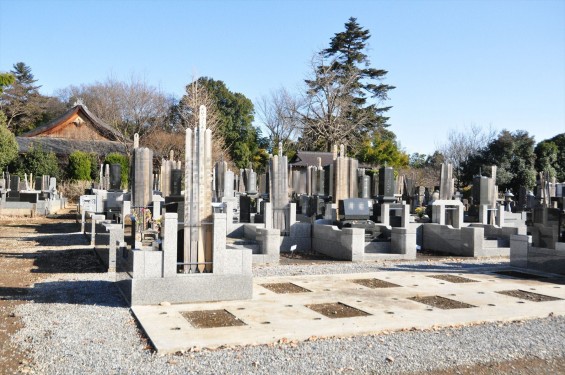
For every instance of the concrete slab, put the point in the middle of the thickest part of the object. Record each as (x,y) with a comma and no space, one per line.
(269,316)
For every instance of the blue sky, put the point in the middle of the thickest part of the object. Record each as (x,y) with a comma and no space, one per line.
(498,64)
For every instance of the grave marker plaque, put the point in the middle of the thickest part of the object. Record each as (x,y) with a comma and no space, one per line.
(386,184)
(115,177)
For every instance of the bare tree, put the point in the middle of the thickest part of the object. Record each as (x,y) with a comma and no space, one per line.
(130,107)
(461,145)
(278,113)
(188,111)
(326,113)
(162,141)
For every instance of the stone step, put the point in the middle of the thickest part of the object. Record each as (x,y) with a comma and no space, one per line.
(488,244)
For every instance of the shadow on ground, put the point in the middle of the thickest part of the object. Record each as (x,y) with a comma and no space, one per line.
(84,292)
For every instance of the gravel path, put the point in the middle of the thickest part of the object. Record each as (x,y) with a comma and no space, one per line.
(77,323)
(313,268)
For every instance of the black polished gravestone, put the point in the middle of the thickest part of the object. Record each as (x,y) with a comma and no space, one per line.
(14,193)
(244,209)
(386,184)
(115,177)
(176,182)
(38,183)
(175,201)
(30,197)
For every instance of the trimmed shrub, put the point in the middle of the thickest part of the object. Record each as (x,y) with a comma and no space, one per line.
(39,163)
(94,166)
(79,166)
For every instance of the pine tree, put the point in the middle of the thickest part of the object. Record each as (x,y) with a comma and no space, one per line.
(21,101)
(347,51)
(344,94)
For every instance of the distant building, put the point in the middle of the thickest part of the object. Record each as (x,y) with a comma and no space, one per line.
(76,130)
(304,159)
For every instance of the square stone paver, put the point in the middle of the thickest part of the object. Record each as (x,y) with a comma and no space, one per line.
(453,279)
(212,319)
(336,310)
(375,283)
(528,296)
(441,302)
(285,288)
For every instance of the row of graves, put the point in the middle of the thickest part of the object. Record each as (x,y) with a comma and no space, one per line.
(192,231)
(199,243)
(31,197)
(543,247)
(477,227)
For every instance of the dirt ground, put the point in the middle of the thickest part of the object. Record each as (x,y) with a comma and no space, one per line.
(32,249)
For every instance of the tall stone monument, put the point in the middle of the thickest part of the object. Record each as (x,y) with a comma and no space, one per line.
(446,184)
(198,221)
(278,176)
(142,175)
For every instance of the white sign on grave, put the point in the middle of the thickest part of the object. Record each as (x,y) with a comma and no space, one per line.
(87,203)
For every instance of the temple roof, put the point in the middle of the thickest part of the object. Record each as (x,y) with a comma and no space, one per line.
(97,124)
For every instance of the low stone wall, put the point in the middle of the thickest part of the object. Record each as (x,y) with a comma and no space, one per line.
(107,239)
(268,241)
(300,235)
(40,208)
(468,241)
(544,236)
(524,255)
(344,244)
(501,233)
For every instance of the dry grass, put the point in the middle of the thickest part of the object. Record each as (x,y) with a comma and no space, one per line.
(72,190)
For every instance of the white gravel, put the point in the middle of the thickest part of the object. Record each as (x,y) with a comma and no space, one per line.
(78,324)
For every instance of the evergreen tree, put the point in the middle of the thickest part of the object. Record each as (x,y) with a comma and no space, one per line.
(344,95)
(6,79)
(550,156)
(512,153)
(383,150)
(23,74)
(347,50)
(21,101)
(234,118)
(79,166)
(8,144)
(38,162)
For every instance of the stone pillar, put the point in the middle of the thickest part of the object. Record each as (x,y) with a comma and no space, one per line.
(142,181)
(385,214)
(157,200)
(292,215)
(278,178)
(438,214)
(169,244)
(403,241)
(268,215)
(227,262)
(228,184)
(483,214)
(446,189)
(353,239)
(500,216)
(519,245)
(405,216)
(126,210)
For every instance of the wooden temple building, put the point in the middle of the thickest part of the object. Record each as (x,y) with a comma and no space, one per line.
(78,129)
